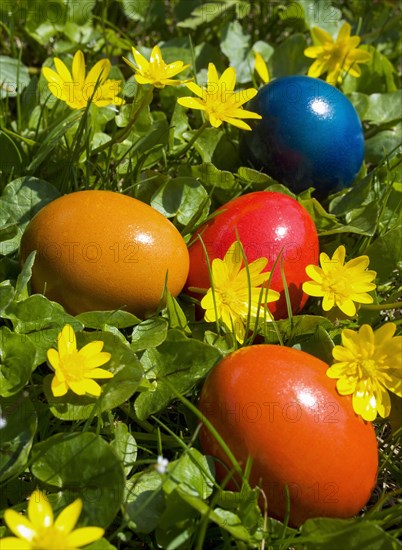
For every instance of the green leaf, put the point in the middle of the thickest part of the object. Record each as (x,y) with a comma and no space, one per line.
(353,534)
(222,182)
(53,138)
(181,362)
(207,13)
(385,255)
(288,58)
(177,524)
(14,77)
(320,345)
(19,416)
(22,199)
(378,108)
(321,14)
(24,277)
(378,147)
(125,446)
(234,43)
(101,319)
(176,316)
(37,313)
(191,473)
(377,76)
(182,197)
(206,143)
(149,334)
(145,501)
(82,465)
(17,355)
(127,371)
(11,160)
(299,326)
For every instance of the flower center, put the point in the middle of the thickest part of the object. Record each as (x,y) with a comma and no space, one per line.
(369,367)
(50,538)
(337,284)
(72,367)
(338,52)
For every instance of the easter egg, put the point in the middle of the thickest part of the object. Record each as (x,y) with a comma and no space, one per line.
(310,135)
(270,225)
(101,250)
(276,405)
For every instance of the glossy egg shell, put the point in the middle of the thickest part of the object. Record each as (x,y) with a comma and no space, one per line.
(310,135)
(277,405)
(266,222)
(101,250)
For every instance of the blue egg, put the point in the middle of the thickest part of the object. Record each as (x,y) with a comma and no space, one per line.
(310,135)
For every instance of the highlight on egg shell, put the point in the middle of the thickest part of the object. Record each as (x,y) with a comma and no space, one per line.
(102,250)
(310,135)
(275,405)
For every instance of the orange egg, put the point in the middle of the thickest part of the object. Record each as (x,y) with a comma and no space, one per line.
(101,250)
(276,405)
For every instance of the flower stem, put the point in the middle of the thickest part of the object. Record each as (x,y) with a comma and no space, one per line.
(121,136)
(200,130)
(381,307)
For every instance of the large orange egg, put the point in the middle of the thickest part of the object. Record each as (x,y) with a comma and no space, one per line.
(101,250)
(276,405)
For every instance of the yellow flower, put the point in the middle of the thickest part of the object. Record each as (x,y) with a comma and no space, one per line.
(76,369)
(155,71)
(341,284)
(218,99)
(39,531)
(370,363)
(234,294)
(261,68)
(76,89)
(337,57)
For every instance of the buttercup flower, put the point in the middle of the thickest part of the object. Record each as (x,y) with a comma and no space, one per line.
(39,531)
(261,68)
(235,292)
(341,284)
(336,57)
(368,365)
(155,71)
(76,89)
(219,101)
(76,369)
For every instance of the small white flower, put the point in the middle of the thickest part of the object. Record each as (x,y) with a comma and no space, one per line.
(161,464)
(3,422)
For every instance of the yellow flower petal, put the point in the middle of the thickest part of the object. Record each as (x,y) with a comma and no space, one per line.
(19,525)
(53,358)
(58,387)
(261,68)
(67,342)
(62,70)
(193,87)
(321,36)
(84,536)
(346,306)
(97,75)
(68,517)
(78,68)
(313,51)
(85,386)
(142,63)
(12,543)
(40,512)
(99,373)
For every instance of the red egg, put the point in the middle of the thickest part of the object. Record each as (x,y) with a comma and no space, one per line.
(267,224)
(276,405)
